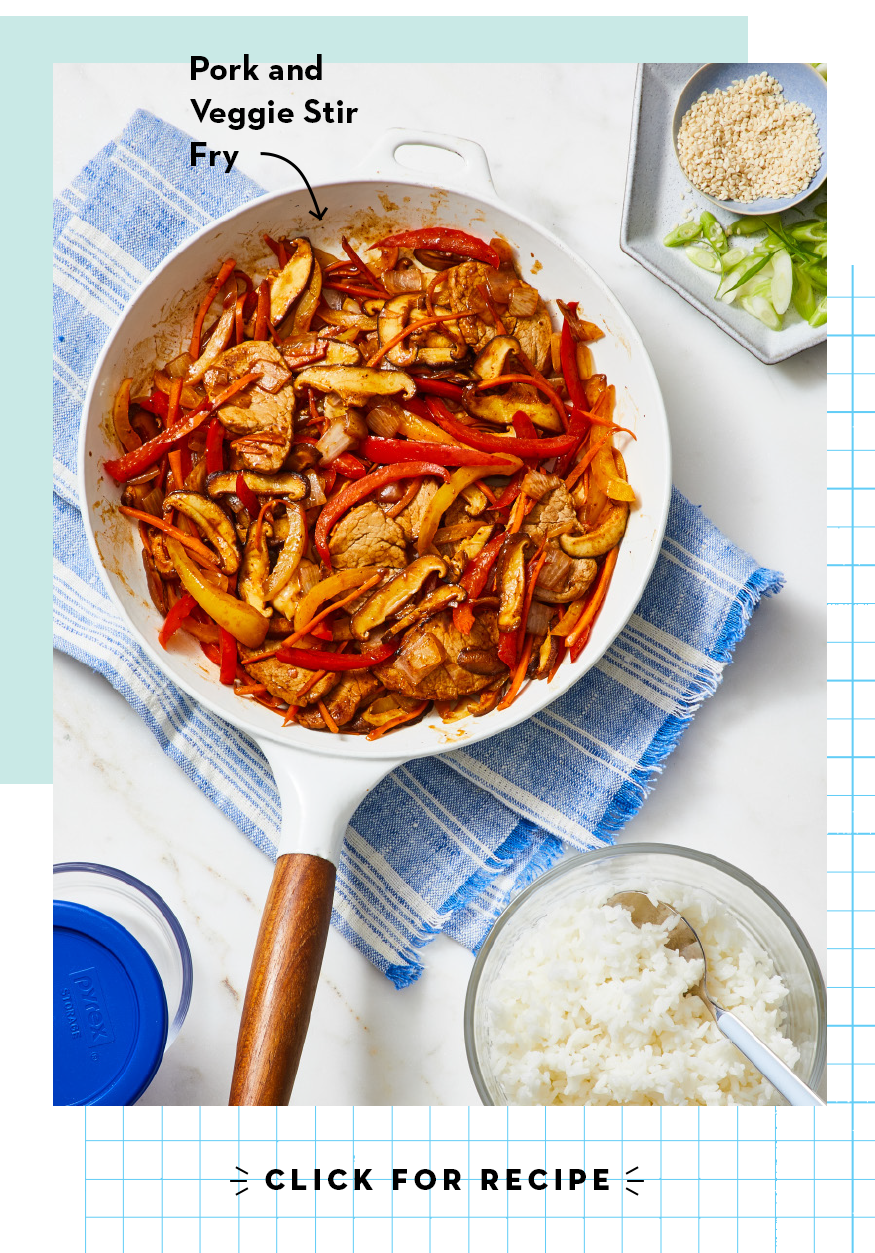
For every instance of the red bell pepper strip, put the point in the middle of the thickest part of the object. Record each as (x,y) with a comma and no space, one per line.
(507,647)
(246,496)
(568,361)
(215,449)
(134,463)
(227,657)
(156,403)
(438,387)
(262,312)
(175,616)
(388,451)
(211,652)
(319,659)
(277,248)
(349,466)
(474,580)
(355,491)
(322,630)
(540,448)
(365,293)
(443,239)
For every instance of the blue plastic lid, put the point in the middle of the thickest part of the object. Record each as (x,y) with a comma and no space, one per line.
(110,1011)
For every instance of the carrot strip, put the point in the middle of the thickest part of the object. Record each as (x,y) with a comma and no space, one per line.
(329,721)
(418,326)
(409,492)
(518,513)
(366,293)
(250,689)
(578,469)
(361,266)
(189,541)
(518,675)
(396,722)
(596,600)
(222,277)
(560,657)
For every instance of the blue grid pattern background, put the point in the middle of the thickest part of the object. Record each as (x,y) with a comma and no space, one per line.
(159,1181)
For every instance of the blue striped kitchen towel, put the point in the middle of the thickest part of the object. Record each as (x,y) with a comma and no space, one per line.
(485,819)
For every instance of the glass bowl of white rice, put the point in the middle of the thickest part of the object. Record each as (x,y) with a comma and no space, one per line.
(570,1004)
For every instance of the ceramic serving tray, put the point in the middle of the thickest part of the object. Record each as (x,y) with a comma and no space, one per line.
(657,195)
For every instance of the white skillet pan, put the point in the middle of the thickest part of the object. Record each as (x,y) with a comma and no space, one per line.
(323,778)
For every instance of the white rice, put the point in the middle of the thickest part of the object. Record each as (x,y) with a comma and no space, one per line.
(589,1009)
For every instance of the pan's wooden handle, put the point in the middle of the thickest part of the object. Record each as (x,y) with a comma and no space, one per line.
(282,981)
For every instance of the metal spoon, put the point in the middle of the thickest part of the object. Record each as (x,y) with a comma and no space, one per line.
(683,939)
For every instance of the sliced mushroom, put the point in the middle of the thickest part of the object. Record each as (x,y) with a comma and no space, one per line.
(581,575)
(511,580)
(446,596)
(501,409)
(607,534)
(356,383)
(342,354)
(491,361)
(290,485)
(392,321)
(287,286)
(309,302)
(255,568)
(481,661)
(392,596)
(210,518)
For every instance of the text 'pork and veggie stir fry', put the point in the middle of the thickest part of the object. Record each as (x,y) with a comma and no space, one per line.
(378,481)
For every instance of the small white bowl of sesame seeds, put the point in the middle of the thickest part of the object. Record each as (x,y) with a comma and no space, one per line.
(752,137)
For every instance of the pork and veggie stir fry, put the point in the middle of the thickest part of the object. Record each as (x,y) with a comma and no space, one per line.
(378,481)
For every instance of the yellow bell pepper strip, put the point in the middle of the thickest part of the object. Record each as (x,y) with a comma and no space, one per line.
(135,462)
(416,425)
(446,494)
(356,490)
(533,380)
(604,471)
(443,239)
(388,451)
(540,448)
(245,623)
(473,580)
(175,615)
(406,716)
(221,278)
(321,659)
(342,581)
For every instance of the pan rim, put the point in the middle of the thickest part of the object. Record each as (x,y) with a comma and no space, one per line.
(394,748)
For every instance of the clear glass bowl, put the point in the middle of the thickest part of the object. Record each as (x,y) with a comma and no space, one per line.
(143,913)
(637,867)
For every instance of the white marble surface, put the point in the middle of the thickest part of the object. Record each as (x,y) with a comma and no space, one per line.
(747,780)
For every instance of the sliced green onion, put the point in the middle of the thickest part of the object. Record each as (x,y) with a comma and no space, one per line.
(746,226)
(818,318)
(782,281)
(804,300)
(810,232)
(713,231)
(732,258)
(760,308)
(704,258)
(682,234)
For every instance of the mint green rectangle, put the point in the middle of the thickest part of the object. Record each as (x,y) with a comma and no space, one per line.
(33,45)
(426,40)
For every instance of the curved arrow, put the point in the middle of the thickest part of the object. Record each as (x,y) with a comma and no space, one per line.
(320,213)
